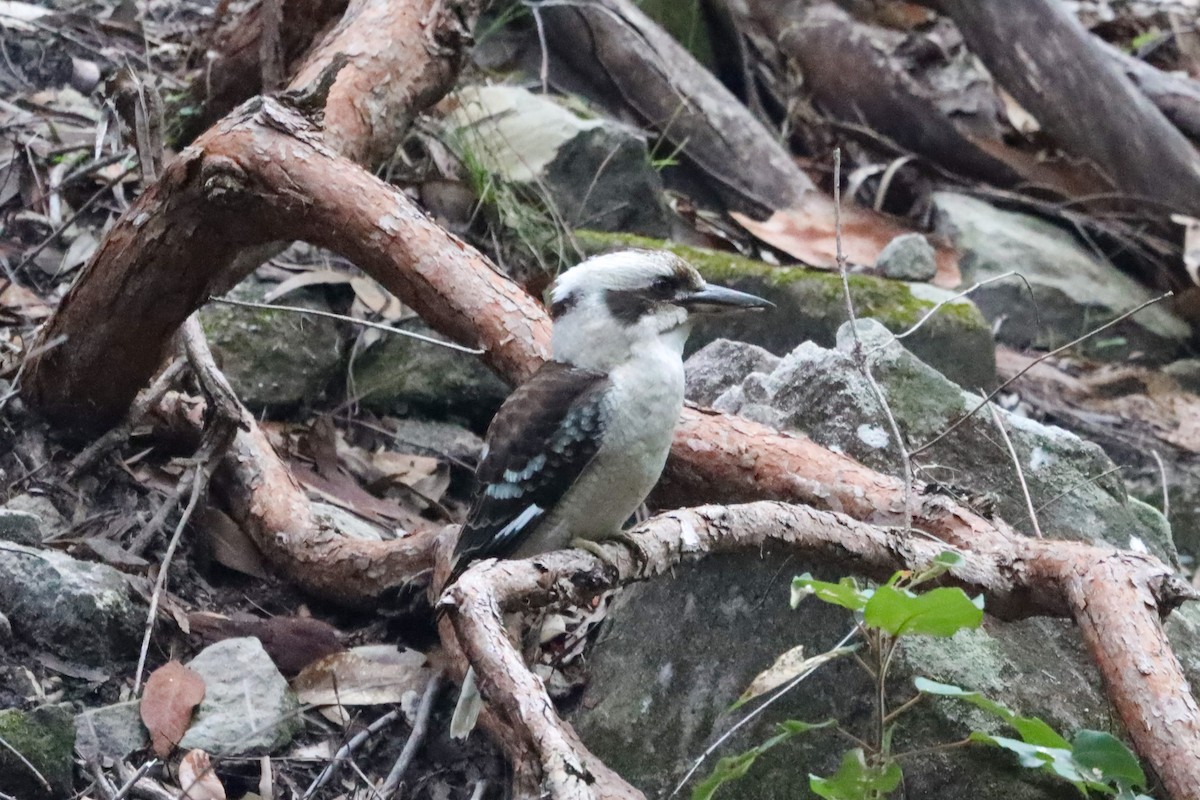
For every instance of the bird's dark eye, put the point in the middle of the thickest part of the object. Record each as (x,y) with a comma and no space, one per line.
(663,287)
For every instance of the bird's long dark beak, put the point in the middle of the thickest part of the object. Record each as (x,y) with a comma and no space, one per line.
(718,299)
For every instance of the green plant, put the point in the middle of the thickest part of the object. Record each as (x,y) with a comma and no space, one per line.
(1092,761)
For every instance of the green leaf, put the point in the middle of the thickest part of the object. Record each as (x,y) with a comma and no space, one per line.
(1055,760)
(949,558)
(844,593)
(1033,730)
(939,612)
(1105,758)
(733,767)
(856,780)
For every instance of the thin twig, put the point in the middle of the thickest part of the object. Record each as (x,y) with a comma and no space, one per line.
(1012,451)
(1033,364)
(420,725)
(345,750)
(206,463)
(943,303)
(379,326)
(134,778)
(1077,485)
(860,356)
(1162,477)
(41,778)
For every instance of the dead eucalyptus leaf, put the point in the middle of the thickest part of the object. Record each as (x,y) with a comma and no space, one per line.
(172,692)
(788,666)
(363,676)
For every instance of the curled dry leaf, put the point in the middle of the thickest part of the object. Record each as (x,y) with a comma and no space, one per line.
(808,232)
(172,692)
(292,642)
(788,666)
(197,779)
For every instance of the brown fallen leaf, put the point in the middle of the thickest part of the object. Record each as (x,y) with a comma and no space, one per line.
(229,543)
(808,233)
(363,676)
(197,779)
(172,692)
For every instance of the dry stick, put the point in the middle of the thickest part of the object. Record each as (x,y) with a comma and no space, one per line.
(943,303)
(345,750)
(1162,477)
(860,357)
(1012,451)
(41,778)
(420,725)
(134,778)
(1033,364)
(379,326)
(88,457)
(1077,485)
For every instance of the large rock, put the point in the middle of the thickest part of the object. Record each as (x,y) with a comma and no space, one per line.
(680,650)
(404,376)
(1074,290)
(595,172)
(247,706)
(45,737)
(811,305)
(275,360)
(79,611)
(821,393)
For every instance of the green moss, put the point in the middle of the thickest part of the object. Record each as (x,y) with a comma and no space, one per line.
(45,737)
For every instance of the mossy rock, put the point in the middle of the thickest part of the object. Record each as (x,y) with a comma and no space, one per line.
(275,360)
(811,306)
(45,737)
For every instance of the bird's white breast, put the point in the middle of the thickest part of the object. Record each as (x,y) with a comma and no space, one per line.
(644,403)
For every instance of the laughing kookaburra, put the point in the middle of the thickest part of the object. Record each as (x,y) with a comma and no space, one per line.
(575,450)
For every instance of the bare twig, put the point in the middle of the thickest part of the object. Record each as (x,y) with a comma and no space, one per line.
(1075,486)
(1033,364)
(34,770)
(860,356)
(345,750)
(420,726)
(1012,451)
(943,303)
(134,778)
(1162,477)
(379,326)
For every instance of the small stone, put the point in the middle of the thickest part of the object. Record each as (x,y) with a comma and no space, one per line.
(723,363)
(45,737)
(20,527)
(50,522)
(80,611)
(110,731)
(247,706)
(908,257)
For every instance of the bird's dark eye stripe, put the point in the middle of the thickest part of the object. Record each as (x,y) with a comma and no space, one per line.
(563,305)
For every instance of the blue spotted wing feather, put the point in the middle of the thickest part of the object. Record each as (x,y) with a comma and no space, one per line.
(537,446)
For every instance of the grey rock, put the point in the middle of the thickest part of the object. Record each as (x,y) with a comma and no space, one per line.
(678,652)
(596,172)
(1074,291)
(821,393)
(717,365)
(404,376)
(45,736)
(52,524)
(6,633)
(20,527)
(274,359)
(247,706)
(111,732)
(908,257)
(1186,372)
(79,611)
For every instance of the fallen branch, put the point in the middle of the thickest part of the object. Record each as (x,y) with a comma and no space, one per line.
(1019,578)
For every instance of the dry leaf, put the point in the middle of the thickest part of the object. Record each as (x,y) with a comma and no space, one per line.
(377,300)
(197,779)
(22,301)
(307,278)
(363,676)
(292,642)
(808,233)
(1191,245)
(172,692)
(230,545)
(788,666)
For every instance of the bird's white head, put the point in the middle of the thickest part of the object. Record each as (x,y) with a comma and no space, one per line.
(610,308)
